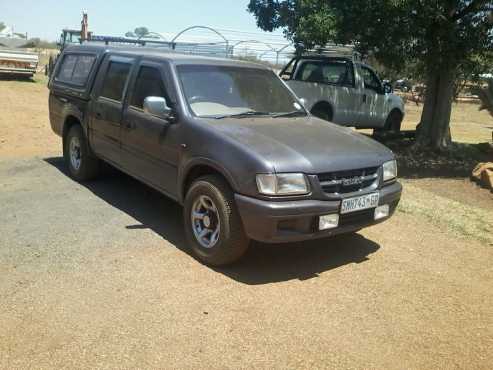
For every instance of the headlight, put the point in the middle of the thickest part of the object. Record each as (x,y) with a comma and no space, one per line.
(282,184)
(389,170)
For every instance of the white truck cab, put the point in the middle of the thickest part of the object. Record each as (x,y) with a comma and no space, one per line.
(344,91)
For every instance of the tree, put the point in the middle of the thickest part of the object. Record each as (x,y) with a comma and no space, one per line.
(141,32)
(2,26)
(39,44)
(440,38)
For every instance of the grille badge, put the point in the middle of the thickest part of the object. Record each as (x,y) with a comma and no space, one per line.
(353,181)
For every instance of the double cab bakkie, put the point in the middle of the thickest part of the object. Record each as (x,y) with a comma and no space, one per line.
(226,139)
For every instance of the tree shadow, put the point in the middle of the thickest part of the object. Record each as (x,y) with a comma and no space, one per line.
(262,264)
(415,162)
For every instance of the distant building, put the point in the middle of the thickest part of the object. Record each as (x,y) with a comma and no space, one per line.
(9,39)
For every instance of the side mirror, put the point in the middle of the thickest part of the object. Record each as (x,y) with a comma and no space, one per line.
(387,88)
(157,106)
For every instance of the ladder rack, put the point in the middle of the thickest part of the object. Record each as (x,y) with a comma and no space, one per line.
(335,51)
(125,40)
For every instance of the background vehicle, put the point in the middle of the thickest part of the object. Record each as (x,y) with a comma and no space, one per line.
(226,139)
(344,91)
(403,85)
(18,62)
(14,60)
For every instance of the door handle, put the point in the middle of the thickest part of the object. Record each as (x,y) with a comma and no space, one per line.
(129,125)
(63,100)
(99,115)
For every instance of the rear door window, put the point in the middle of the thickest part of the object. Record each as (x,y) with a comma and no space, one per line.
(370,79)
(75,69)
(115,80)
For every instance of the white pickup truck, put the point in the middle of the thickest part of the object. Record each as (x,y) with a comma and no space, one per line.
(18,62)
(344,91)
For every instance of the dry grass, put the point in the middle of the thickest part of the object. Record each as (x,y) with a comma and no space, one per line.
(471,220)
(468,124)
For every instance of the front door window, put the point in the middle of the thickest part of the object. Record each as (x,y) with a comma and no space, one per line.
(371,80)
(149,83)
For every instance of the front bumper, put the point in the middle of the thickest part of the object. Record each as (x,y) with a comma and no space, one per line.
(291,221)
(17,71)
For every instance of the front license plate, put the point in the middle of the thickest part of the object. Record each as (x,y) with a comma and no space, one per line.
(359,203)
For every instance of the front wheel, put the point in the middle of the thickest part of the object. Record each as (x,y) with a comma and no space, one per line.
(394,122)
(212,223)
(323,112)
(392,125)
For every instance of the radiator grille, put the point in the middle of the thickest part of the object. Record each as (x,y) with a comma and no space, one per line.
(344,182)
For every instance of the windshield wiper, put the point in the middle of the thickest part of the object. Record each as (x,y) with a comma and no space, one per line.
(244,114)
(296,113)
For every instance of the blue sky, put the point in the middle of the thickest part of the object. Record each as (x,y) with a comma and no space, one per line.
(46,18)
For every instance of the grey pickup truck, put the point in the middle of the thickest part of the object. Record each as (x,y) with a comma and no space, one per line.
(226,139)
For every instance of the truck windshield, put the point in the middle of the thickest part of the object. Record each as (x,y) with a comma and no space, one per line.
(223,91)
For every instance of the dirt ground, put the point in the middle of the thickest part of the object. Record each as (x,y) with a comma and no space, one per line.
(99,275)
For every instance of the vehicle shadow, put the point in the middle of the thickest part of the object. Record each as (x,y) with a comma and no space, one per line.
(16,77)
(262,264)
(272,263)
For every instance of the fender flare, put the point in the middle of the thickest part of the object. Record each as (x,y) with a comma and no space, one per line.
(72,111)
(195,162)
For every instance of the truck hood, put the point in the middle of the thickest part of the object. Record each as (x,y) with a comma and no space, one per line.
(306,144)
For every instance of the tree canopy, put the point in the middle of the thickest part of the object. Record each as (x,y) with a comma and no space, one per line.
(139,32)
(443,38)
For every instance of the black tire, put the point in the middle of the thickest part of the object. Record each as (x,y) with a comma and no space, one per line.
(323,112)
(89,165)
(394,122)
(392,125)
(232,242)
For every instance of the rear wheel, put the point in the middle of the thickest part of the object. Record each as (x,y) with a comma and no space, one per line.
(212,223)
(81,163)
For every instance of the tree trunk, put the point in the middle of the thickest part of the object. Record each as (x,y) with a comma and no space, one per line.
(434,129)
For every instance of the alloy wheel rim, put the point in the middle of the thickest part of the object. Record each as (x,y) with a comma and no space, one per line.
(206,224)
(75,157)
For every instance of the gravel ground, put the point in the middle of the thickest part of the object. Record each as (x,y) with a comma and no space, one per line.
(99,276)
